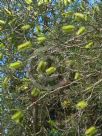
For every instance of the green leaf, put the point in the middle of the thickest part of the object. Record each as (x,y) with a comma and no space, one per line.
(5,82)
(65,103)
(28,1)
(2,22)
(69,63)
(40,2)
(41,39)
(15,65)
(1,56)
(67,2)
(81,105)
(80,17)
(68,28)
(96,8)
(54,132)
(89,88)
(29,8)
(52,123)
(35,92)
(50,70)
(25,27)
(77,75)
(81,30)
(91,131)
(41,66)
(24,46)
(70,1)
(66,14)
(38,28)
(89,45)
(23,88)
(2,45)
(8,12)
(17,116)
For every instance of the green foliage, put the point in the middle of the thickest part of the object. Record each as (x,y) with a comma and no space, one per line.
(1,45)
(54,132)
(89,45)
(28,1)
(40,2)
(68,28)
(24,46)
(80,17)
(77,76)
(66,103)
(81,105)
(41,66)
(17,116)
(81,30)
(50,68)
(41,39)
(66,14)
(25,27)
(5,82)
(1,56)
(35,92)
(15,65)
(67,2)
(2,22)
(9,13)
(91,131)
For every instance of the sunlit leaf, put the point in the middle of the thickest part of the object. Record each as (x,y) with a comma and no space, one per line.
(15,65)
(23,88)
(68,28)
(50,70)
(91,131)
(40,2)
(17,116)
(69,62)
(81,105)
(25,27)
(38,28)
(8,12)
(80,17)
(71,1)
(65,103)
(96,8)
(81,30)
(2,22)
(28,1)
(35,92)
(67,2)
(77,76)
(24,46)
(41,39)
(29,8)
(5,82)
(1,56)
(52,123)
(41,66)
(66,14)
(89,45)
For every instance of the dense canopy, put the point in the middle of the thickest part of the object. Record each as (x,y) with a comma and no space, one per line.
(50,68)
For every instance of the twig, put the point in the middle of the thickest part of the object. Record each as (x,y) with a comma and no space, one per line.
(51,92)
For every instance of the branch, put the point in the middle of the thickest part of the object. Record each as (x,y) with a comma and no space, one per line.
(51,92)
